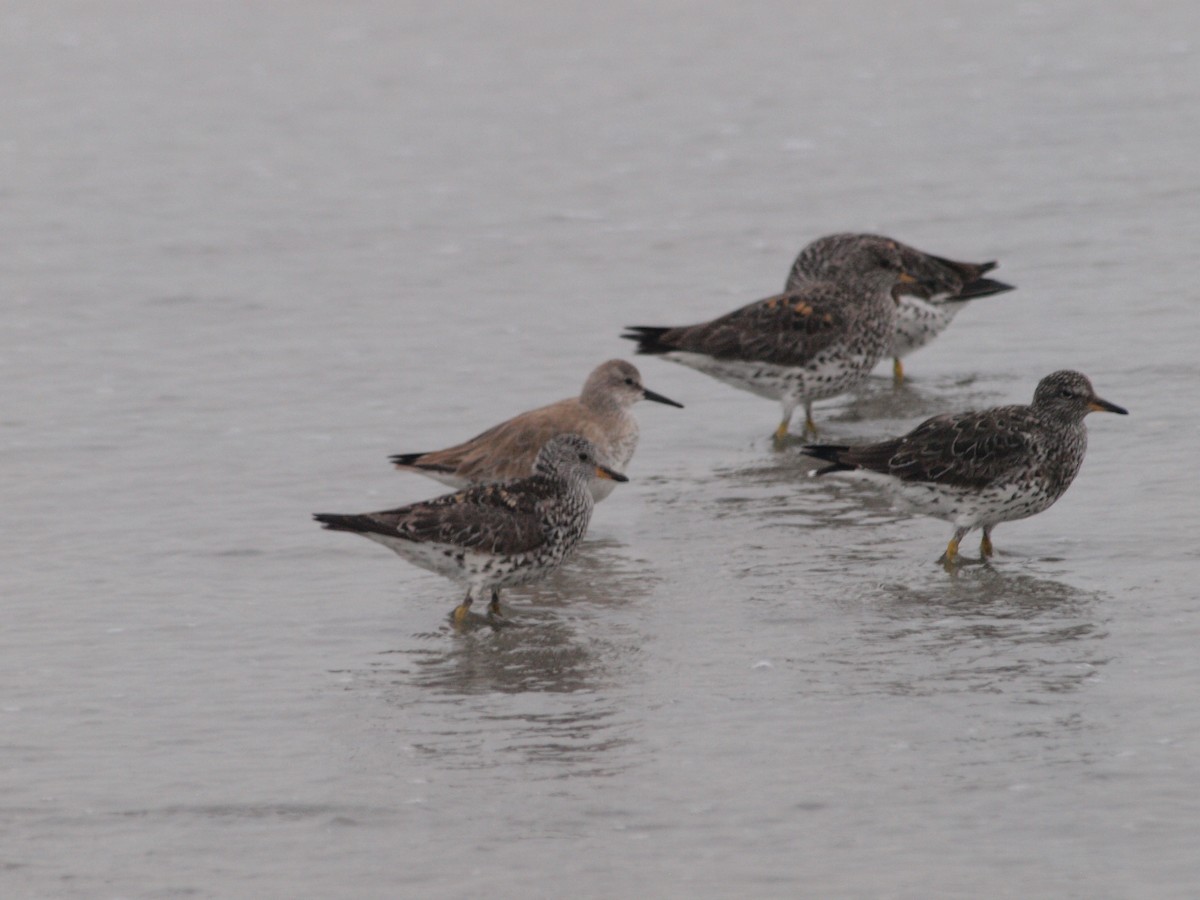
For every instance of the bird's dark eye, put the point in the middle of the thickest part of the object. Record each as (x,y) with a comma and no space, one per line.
(583,457)
(1066,393)
(629,381)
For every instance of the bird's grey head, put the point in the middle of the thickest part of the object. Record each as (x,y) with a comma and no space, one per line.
(932,277)
(1068,395)
(572,458)
(825,255)
(871,257)
(619,383)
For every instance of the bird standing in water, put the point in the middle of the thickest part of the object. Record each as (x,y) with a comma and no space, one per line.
(925,306)
(492,536)
(978,469)
(817,341)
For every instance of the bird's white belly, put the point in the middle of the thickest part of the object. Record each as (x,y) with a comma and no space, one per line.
(918,322)
(968,508)
(466,566)
(827,374)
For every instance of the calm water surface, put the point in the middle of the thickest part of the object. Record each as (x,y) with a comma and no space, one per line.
(250,251)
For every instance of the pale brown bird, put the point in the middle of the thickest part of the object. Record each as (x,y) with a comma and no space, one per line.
(600,413)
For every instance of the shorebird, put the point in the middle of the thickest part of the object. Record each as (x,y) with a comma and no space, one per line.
(817,341)
(491,536)
(600,413)
(978,469)
(925,307)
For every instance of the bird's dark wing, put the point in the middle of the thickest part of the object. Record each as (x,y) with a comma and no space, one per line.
(964,270)
(491,518)
(969,450)
(938,277)
(787,329)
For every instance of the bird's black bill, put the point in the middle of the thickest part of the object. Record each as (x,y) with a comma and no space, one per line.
(982,287)
(1098,405)
(659,398)
(610,474)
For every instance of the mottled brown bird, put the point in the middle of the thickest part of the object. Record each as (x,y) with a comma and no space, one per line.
(978,469)
(925,306)
(817,341)
(491,536)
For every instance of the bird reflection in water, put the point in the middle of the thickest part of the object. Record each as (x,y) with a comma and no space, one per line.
(878,399)
(878,407)
(987,630)
(546,690)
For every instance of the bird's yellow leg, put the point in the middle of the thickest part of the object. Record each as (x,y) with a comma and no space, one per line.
(985,545)
(495,615)
(462,611)
(951,550)
(950,557)
(810,427)
(897,371)
(781,433)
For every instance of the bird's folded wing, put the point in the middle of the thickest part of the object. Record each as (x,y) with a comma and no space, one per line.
(787,329)
(490,518)
(971,450)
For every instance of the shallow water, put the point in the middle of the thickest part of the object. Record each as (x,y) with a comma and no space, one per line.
(251,252)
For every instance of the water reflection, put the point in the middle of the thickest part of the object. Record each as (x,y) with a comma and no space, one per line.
(781,489)
(810,545)
(539,652)
(879,407)
(602,573)
(879,398)
(553,641)
(985,629)
(536,693)
(542,691)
